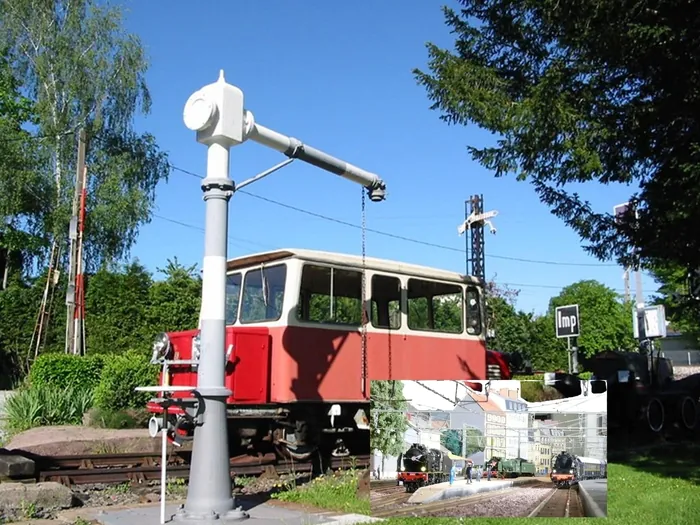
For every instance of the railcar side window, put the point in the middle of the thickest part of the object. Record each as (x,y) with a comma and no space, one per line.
(386,302)
(434,306)
(473,311)
(263,294)
(330,295)
(233,297)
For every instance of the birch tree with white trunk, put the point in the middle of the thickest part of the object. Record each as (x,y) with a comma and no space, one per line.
(83,70)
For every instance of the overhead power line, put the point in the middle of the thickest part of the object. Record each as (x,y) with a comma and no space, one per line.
(392,235)
(236,240)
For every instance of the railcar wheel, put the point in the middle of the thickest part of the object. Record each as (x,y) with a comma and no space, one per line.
(688,412)
(655,414)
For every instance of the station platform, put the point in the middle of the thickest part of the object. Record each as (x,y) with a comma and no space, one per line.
(263,514)
(594,496)
(461,488)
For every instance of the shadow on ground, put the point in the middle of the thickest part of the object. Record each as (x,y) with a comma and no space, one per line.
(669,459)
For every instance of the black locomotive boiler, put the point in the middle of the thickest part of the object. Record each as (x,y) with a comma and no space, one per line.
(421,466)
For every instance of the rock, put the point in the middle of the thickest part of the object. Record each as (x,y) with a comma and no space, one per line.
(149,498)
(16,497)
(13,466)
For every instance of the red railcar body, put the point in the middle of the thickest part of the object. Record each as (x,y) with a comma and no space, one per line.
(292,370)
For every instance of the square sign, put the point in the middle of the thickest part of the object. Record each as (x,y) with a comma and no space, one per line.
(567,321)
(654,321)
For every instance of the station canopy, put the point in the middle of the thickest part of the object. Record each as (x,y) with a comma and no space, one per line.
(590,404)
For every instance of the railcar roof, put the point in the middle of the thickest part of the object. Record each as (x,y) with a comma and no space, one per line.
(341,259)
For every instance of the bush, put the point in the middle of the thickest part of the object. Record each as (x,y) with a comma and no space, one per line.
(44,405)
(67,371)
(535,392)
(120,377)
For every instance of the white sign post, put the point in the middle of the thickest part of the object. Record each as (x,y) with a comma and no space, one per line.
(567,324)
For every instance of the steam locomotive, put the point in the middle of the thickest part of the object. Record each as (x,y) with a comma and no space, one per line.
(421,466)
(568,469)
(509,468)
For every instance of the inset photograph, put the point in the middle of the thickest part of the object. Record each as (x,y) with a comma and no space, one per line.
(480,449)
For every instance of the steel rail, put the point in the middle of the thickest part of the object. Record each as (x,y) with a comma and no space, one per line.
(110,469)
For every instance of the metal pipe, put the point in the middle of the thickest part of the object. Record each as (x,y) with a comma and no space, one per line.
(295,149)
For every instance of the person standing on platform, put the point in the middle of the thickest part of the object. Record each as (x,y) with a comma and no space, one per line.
(488,473)
(479,473)
(469,472)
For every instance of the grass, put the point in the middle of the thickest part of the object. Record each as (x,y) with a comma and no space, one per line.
(659,485)
(45,406)
(333,492)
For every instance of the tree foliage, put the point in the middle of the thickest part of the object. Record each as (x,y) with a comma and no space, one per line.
(452,440)
(388,422)
(20,187)
(579,92)
(80,69)
(125,309)
(682,312)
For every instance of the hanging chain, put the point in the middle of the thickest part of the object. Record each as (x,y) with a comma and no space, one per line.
(364,304)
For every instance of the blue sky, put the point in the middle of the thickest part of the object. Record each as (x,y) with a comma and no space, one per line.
(337,75)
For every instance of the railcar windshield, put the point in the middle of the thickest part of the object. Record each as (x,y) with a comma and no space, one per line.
(233,297)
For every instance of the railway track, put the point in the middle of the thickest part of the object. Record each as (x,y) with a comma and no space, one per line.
(138,468)
(388,496)
(560,503)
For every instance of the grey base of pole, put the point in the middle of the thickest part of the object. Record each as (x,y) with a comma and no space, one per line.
(209,494)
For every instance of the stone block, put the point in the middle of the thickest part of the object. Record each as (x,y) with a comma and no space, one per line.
(16,497)
(12,466)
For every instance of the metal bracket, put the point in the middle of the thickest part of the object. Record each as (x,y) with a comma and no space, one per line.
(264,174)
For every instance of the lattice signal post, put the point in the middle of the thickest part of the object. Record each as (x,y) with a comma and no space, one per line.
(474,221)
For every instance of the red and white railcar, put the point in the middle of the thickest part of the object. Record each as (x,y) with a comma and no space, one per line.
(300,362)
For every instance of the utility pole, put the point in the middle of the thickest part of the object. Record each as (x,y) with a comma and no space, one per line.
(71,293)
(620,211)
(626,277)
(79,325)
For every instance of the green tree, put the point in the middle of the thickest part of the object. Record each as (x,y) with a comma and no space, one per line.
(475,441)
(578,92)
(174,302)
(388,422)
(606,324)
(452,440)
(512,329)
(117,304)
(682,312)
(21,188)
(82,70)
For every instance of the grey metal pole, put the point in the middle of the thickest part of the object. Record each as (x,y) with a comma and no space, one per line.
(574,357)
(217,114)
(209,494)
